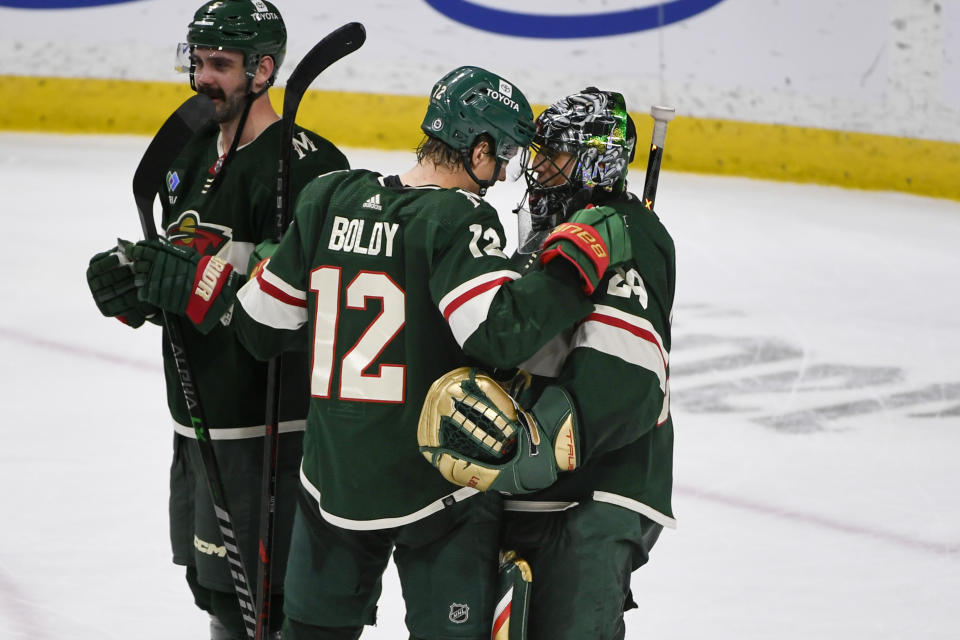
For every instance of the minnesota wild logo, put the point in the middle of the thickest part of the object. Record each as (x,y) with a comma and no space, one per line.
(203,237)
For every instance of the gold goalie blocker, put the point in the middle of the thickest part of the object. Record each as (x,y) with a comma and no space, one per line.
(477,435)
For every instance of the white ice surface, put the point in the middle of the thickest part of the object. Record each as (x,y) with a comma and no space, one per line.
(816,395)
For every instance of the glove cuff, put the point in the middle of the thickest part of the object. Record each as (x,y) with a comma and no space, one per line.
(556,416)
(587,242)
(212,273)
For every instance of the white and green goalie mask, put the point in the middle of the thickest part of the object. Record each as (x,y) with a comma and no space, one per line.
(593,126)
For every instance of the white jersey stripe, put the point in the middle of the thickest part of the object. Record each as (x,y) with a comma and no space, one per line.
(634,505)
(383,523)
(624,336)
(241,433)
(637,322)
(466,306)
(267,309)
(238,255)
(276,282)
(535,506)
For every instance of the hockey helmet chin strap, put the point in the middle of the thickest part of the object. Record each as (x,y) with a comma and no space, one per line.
(251,96)
(466,160)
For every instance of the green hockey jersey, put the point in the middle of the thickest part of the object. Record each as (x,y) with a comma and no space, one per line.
(616,365)
(229,221)
(397,286)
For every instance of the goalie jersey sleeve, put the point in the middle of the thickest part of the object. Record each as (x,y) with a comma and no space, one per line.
(627,337)
(396,286)
(616,365)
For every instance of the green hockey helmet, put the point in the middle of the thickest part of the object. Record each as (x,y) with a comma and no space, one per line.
(470,101)
(253,27)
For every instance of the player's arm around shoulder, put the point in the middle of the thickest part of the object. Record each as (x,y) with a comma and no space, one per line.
(627,337)
(494,314)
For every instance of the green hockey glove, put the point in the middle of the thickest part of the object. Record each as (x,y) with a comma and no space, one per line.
(593,240)
(111,281)
(477,436)
(182,281)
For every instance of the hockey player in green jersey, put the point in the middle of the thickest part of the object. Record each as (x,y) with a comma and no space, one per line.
(396,279)
(585,534)
(218,201)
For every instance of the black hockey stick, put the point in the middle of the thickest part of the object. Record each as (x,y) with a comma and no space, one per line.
(336,45)
(160,154)
(162,151)
(661,116)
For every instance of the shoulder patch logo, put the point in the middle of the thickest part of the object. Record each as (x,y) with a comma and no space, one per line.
(173,181)
(459,613)
(204,238)
(303,145)
(373,202)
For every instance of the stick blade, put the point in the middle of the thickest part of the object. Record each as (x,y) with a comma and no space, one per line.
(337,44)
(163,150)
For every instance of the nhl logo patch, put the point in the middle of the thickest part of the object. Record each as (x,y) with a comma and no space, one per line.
(459,613)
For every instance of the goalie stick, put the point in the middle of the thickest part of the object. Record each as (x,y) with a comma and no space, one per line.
(333,47)
(160,154)
(661,116)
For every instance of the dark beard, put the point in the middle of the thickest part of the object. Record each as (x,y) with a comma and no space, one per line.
(229,108)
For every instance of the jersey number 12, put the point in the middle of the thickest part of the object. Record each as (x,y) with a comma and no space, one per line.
(387,383)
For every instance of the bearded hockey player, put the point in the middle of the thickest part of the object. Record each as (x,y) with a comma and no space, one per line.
(218,200)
